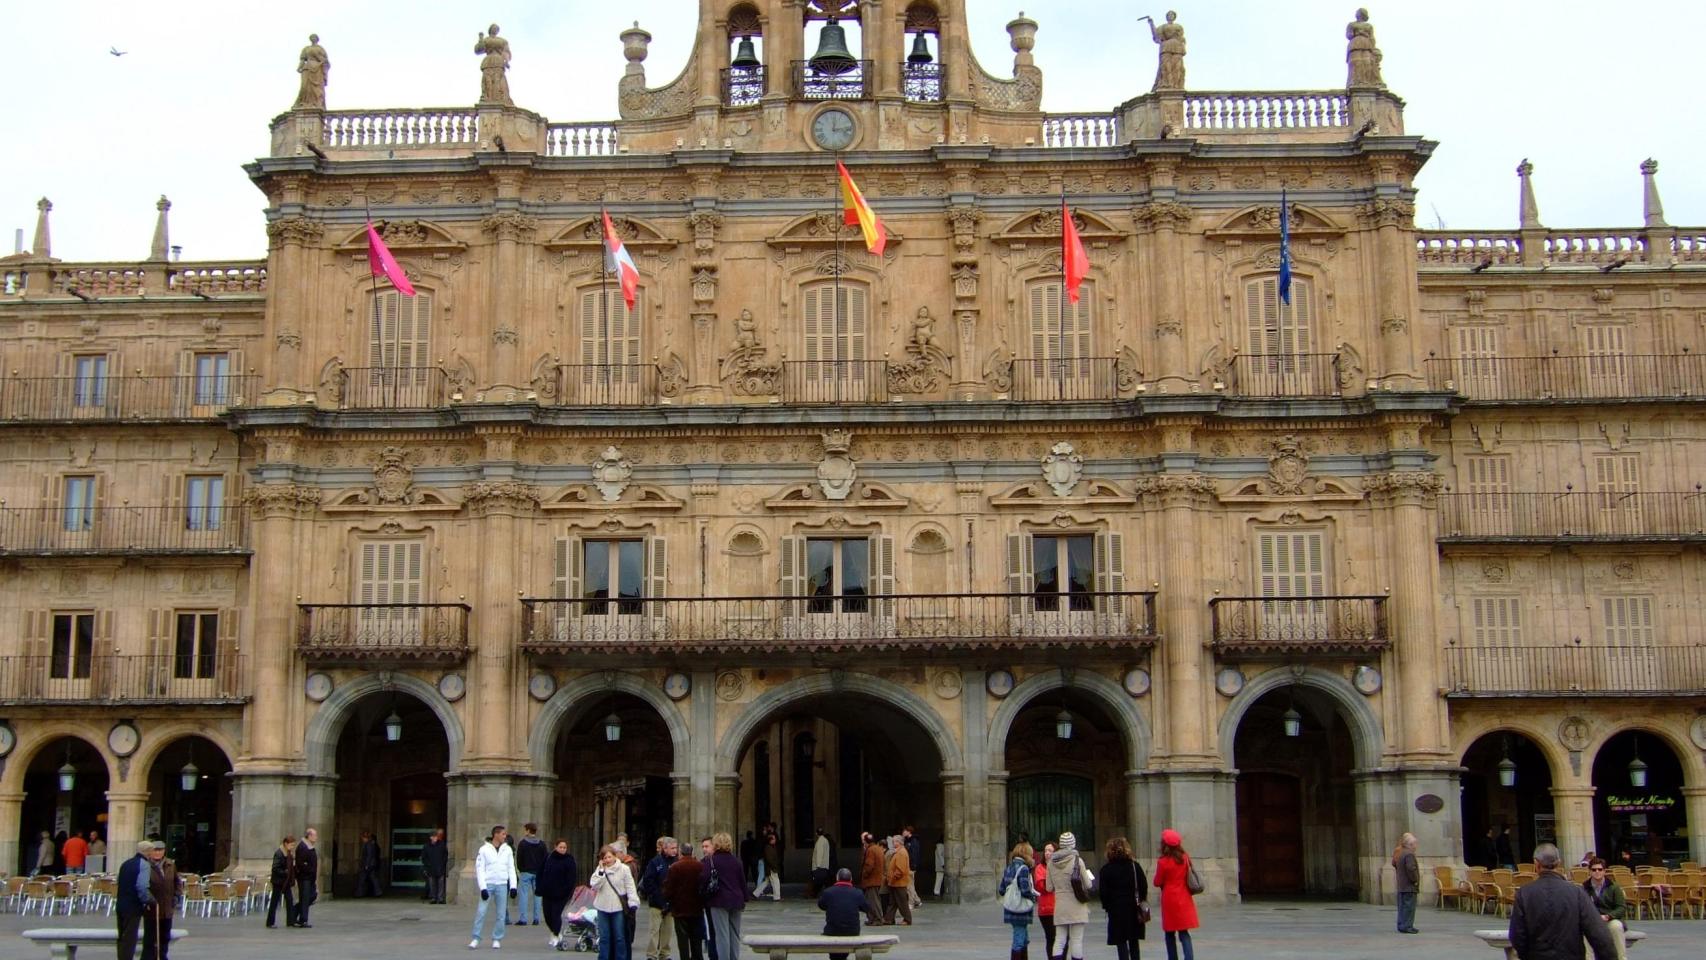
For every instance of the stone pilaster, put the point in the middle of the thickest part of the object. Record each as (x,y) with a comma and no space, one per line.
(1695,797)
(275,511)
(11,828)
(266,806)
(1573,807)
(508,229)
(479,801)
(1395,289)
(1164,219)
(284,376)
(1387,809)
(1410,501)
(1183,727)
(1201,804)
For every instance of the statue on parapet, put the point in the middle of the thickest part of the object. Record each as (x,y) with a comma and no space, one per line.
(1362,56)
(1170,71)
(313,65)
(494,85)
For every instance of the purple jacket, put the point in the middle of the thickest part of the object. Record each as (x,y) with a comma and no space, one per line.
(731,877)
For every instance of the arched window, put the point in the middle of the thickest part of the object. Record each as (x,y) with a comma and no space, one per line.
(1059,328)
(921,71)
(743,78)
(834,322)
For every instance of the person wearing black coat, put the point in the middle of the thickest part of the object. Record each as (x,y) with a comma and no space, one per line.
(130,899)
(307,875)
(367,876)
(283,881)
(843,906)
(557,879)
(1551,915)
(1122,885)
(435,864)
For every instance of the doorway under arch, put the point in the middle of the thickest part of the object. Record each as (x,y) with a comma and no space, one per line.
(189,782)
(1647,821)
(1507,782)
(1065,762)
(392,756)
(48,808)
(613,760)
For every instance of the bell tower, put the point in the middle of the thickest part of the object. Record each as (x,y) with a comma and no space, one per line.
(830,75)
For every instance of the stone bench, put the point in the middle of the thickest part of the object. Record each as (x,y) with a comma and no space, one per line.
(64,941)
(1501,940)
(777,946)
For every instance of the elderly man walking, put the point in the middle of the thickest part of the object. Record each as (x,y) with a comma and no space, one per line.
(1552,915)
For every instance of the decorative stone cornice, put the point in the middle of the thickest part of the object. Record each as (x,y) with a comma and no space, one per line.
(281,499)
(484,497)
(300,231)
(509,225)
(1176,488)
(1390,211)
(1162,213)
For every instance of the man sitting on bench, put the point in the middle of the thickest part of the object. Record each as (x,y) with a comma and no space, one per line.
(841,903)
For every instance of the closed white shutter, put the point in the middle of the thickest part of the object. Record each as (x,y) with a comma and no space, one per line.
(657,575)
(1021,581)
(610,335)
(400,331)
(1628,621)
(1292,564)
(1617,488)
(1475,366)
(793,572)
(1497,621)
(1060,329)
(1489,488)
(1282,335)
(831,335)
(390,572)
(1110,572)
(884,582)
(1606,363)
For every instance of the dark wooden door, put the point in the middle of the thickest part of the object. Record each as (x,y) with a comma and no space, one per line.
(1270,834)
(1044,805)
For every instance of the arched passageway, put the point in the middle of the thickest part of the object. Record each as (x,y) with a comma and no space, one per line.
(189,784)
(1640,812)
(1296,799)
(613,759)
(391,760)
(51,808)
(1065,762)
(1507,793)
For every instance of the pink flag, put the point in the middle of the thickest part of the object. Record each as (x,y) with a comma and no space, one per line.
(380,261)
(627,274)
(1074,260)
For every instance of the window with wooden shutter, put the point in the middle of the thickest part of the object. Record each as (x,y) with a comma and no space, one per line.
(1059,328)
(1476,360)
(565,586)
(1605,347)
(204,502)
(1487,481)
(211,383)
(391,572)
(1496,621)
(835,340)
(1065,571)
(400,331)
(836,574)
(1020,581)
(1616,493)
(1279,339)
(1628,621)
(89,380)
(1292,564)
(613,570)
(657,575)
(884,583)
(610,347)
(1110,572)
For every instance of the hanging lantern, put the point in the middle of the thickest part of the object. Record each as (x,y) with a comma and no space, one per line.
(393,727)
(67,777)
(1293,722)
(612,728)
(1507,772)
(1637,773)
(188,776)
(1063,725)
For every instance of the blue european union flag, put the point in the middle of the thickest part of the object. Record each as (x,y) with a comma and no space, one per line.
(1285,252)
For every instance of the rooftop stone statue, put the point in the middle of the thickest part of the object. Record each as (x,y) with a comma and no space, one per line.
(494,86)
(1362,56)
(1170,71)
(313,65)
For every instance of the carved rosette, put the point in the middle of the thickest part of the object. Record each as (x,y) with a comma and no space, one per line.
(1162,214)
(270,500)
(486,497)
(1410,486)
(1176,489)
(509,225)
(298,231)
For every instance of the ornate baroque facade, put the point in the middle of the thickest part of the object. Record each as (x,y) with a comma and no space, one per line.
(846,541)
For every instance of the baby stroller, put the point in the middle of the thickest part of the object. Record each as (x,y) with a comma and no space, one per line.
(580,922)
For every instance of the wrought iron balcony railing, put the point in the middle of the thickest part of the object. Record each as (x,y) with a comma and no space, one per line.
(1576,670)
(1670,376)
(606,385)
(1256,628)
(811,83)
(923,82)
(383,631)
(1284,375)
(918,622)
(743,86)
(393,388)
(835,381)
(122,398)
(210,678)
(1571,515)
(123,530)
(1079,378)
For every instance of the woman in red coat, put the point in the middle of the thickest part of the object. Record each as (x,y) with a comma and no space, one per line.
(1178,910)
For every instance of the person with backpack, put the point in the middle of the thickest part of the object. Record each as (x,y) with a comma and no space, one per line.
(1177,880)
(1018,899)
(1072,881)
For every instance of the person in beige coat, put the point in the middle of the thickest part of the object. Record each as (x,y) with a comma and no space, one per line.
(1071,915)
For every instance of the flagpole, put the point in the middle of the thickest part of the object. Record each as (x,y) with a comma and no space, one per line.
(835,311)
(603,292)
(379,329)
(1060,353)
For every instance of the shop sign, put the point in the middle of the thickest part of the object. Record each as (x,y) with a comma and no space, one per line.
(1648,803)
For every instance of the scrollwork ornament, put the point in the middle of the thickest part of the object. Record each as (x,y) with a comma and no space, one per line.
(1406,483)
(1175,488)
(1391,211)
(509,225)
(1169,214)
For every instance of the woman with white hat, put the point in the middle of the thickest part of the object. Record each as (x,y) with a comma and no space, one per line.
(1073,881)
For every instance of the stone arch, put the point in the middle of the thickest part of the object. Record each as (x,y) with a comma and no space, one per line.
(320,742)
(1688,756)
(29,748)
(157,739)
(570,699)
(1366,734)
(1557,759)
(1134,728)
(766,704)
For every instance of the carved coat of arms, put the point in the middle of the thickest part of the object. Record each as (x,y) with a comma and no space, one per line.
(1063,468)
(611,473)
(835,475)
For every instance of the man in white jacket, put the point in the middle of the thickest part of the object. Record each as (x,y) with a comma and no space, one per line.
(494,877)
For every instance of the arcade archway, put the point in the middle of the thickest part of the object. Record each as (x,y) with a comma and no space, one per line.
(65,790)
(613,759)
(391,760)
(1065,762)
(1638,806)
(189,784)
(1507,782)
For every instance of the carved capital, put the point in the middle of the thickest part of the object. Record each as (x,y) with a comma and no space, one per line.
(1390,211)
(963,220)
(269,500)
(1176,489)
(289,339)
(299,231)
(505,335)
(1394,324)
(485,497)
(705,224)
(509,225)
(1168,214)
(1409,485)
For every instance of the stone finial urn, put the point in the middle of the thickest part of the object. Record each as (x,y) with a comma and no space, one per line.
(635,43)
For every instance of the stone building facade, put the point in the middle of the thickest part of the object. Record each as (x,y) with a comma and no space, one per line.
(847,541)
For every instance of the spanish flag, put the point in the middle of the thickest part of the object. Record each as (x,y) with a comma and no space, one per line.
(854,210)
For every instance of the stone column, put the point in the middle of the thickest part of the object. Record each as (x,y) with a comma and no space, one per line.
(479,801)
(497,504)
(1183,727)
(985,823)
(1573,806)
(1395,288)
(965,872)
(1386,808)
(1414,596)
(276,509)
(1200,804)
(507,281)
(1695,797)
(266,806)
(701,760)
(1165,217)
(11,825)
(124,821)
(291,276)
(727,784)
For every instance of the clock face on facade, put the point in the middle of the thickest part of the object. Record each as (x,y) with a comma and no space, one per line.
(833,130)
(123,739)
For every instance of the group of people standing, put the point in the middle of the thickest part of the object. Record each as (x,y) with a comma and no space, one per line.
(67,853)
(1056,886)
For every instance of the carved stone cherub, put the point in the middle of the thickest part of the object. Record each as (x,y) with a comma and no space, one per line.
(924,329)
(746,331)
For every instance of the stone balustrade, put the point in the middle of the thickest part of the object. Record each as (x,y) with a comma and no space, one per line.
(92,280)
(400,128)
(596,139)
(1081,130)
(1607,248)
(1253,110)
(1597,247)
(211,278)
(1469,248)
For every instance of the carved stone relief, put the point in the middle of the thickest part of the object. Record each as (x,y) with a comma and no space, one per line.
(837,471)
(611,473)
(1062,468)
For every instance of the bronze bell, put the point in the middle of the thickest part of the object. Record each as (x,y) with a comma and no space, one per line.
(832,56)
(745,57)
(920,53)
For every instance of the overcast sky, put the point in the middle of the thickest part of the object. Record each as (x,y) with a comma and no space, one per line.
(1586,91)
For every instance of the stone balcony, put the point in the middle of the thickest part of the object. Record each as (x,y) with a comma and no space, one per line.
(1286,628)
(382,632)
(1576,670)
(912,623)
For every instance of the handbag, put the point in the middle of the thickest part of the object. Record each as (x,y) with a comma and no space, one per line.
(1079,890)
(712,881)
(1014,900)
(1193,883)
(1143,915)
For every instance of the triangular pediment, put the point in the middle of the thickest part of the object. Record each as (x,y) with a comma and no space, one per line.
(405,236)
(638,236)
(1262,222)
(824,229)
(1042,225)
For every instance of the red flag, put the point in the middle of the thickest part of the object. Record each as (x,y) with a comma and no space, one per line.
(627,274)
(382,264)
(1074,261)
(855,212)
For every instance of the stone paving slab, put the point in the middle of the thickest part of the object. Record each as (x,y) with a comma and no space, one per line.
(399,929)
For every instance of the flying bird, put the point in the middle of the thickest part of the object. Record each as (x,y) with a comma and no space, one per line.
(117,52)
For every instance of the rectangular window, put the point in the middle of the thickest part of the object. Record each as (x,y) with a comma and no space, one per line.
(1476,366)
(614,570)
(1060,329)
(390,573)
(1065,571)
(837,575)
(79,504)
(1488,484)
(73,646)
(204,502)
(1628,621)
(1616,494)
(399,331)
(1497,621)
(610,332)
(197,646)
(834,325)
(1280,358)
(1293,564)
(89,380)
(1606,364)
(212,379)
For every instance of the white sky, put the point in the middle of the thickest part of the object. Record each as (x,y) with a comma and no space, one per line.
(102,136)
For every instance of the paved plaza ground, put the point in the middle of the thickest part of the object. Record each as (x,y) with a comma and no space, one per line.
(398,929)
